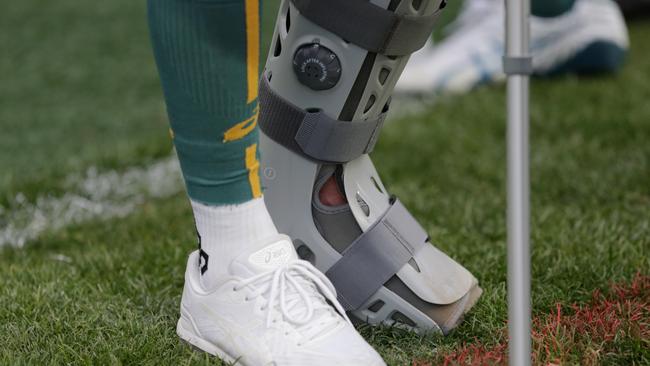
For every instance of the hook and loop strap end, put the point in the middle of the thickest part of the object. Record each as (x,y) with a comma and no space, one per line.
(314,134)
(518,65)
(369,26)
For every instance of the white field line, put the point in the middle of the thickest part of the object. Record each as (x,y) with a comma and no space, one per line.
(90,196)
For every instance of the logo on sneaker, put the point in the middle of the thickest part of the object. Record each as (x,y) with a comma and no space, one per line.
(272,255)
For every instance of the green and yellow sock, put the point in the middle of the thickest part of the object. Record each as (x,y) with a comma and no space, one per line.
(207,52)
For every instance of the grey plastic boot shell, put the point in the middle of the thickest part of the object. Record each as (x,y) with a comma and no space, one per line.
(288,179)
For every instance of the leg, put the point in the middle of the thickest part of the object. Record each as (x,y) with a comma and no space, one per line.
(324,95)
(203,51)
(247,297)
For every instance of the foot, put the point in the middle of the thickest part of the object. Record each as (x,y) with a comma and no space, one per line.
(589,38)
(270,309)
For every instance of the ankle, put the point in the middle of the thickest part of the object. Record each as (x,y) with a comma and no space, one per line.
(225,231)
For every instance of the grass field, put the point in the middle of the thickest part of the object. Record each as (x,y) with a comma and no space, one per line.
(78,89)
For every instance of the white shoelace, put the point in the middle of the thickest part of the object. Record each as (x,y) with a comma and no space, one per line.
(295,286)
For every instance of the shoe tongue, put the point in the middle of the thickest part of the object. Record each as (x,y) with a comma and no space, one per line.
(266,256)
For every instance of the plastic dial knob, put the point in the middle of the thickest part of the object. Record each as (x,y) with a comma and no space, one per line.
(317,67)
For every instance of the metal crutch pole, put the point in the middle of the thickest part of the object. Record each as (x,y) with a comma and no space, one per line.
(518,67)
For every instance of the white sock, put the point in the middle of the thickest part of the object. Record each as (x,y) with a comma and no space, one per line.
(226,231)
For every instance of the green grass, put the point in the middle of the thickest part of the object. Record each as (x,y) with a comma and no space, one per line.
(79,88)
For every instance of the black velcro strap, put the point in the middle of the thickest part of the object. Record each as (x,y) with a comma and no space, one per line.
(376,256)
(314,134)
(370,26)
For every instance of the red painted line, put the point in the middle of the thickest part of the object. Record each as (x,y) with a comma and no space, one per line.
(585,332)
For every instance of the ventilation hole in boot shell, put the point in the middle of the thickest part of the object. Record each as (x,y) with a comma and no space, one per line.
(278,47)
(287,21)
(371,102)
(383,75)
(386,106)
(304,252)
(414,264)
(376,306)
(401,318)
(374,181)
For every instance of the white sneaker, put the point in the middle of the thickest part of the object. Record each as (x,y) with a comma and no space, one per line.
(589,38)
(272,309)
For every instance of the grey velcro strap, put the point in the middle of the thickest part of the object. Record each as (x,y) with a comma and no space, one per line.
(315,134)
(376,256)
(369,26)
